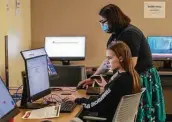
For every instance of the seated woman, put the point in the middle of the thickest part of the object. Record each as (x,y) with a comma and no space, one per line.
(124,83)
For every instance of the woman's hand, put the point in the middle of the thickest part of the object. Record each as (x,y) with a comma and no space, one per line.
(85,83)
(70,98)
(101,82)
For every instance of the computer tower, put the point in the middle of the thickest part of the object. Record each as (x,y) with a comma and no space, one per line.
(69,76)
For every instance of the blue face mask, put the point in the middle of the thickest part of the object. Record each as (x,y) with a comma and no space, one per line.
(105,27)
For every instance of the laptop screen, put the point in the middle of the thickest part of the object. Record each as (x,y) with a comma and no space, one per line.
(7,104)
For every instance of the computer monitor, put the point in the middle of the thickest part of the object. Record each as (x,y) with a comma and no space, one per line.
(65,49)
(38,52)
(69,76)
(36,83)
(161,48)
(8,108)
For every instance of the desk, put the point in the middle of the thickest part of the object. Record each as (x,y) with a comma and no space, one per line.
(64,117)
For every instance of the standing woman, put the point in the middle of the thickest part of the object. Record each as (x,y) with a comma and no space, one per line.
(115,22)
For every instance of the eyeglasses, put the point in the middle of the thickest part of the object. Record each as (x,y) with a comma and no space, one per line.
(102,21)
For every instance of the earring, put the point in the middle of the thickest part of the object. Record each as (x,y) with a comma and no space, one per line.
(120,59)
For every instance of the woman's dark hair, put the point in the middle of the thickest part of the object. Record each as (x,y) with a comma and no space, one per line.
(115,17)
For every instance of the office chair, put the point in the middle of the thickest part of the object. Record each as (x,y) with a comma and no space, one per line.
(126,110)
(76,119)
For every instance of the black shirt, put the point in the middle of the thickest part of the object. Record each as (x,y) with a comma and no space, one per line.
(138,45)
(106,103)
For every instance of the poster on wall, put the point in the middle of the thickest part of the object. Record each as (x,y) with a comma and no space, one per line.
(154,9)
(14,45)
(18,7)
(7,6)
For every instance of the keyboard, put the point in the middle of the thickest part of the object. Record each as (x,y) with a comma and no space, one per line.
(67,107)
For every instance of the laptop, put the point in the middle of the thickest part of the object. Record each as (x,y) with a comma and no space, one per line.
(8,108)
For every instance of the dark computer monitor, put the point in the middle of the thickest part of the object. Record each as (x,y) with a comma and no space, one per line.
(65,49)
(36,84)
(161,48)
(8,108)
(38,52)
(69,76)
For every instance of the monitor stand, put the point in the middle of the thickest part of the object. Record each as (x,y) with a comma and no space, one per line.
(166,66)
(25,102)
(29,105)
(66,62)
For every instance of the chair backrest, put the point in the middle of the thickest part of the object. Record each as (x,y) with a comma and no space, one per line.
(128,108)
(76,119)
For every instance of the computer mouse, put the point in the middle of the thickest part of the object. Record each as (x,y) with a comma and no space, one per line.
(46,121)
(80,87)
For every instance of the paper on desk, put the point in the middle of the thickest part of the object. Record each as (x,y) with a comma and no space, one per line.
(43,113)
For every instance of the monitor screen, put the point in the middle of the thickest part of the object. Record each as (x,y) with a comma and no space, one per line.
(7,104)
(37,75)
(38,52)
(161,46)
(65,48)
(27,54)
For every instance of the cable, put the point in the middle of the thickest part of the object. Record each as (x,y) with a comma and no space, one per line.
(56,89)
(71,89)
(61,100)
(51,100)
(54,99)
(56,95)
(17,92)
(44,99)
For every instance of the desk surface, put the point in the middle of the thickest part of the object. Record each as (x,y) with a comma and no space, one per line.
(64,117)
